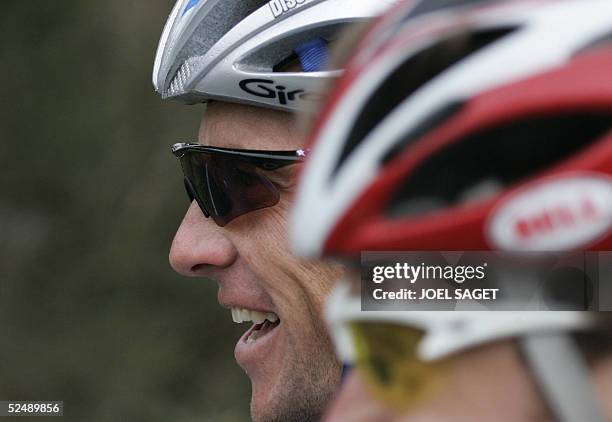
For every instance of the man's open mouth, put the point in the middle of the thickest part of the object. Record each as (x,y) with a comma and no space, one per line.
(263,322)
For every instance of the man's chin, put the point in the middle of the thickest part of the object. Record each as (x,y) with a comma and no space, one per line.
(297,391)
(265,403)
(291,380)
(263,360)
(287,404)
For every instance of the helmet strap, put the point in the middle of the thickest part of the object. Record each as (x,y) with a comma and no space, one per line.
(562,375)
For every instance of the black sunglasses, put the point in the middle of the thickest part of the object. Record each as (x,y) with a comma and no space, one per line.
(227,183)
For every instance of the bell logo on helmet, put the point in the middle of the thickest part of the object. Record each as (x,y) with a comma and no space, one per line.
(555,218)
(559,214)
(266,88)
(278,7)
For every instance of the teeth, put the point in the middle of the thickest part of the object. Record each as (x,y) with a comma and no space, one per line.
(245,315)
(235,316)
(258,317)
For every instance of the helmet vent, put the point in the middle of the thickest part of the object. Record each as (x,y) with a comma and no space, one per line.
(434,120)
(416,71)
(178,83)
(217,22)
(221,19)
(277,54)
(498,156)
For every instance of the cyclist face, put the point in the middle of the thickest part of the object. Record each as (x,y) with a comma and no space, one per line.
(288,357)
(486,383)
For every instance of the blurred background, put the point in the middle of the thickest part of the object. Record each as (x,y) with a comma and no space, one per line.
(90,311)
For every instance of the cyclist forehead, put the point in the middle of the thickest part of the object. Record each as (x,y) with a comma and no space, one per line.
(247,127)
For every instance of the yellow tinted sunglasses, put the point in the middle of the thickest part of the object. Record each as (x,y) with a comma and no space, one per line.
(387,359)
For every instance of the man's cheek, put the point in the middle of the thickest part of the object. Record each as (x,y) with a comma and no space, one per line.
(266,248)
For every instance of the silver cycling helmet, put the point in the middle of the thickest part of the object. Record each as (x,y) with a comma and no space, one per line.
(234,50)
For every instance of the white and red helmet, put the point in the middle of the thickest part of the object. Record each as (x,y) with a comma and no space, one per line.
(482,127)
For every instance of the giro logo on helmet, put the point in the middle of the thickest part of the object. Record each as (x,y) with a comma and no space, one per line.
(265,88)
(278,7)
(566,213)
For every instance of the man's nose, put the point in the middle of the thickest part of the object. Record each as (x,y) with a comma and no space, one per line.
(199,246)
(354,403)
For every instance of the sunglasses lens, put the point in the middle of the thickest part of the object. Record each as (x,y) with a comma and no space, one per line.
(227,188)
(387,361)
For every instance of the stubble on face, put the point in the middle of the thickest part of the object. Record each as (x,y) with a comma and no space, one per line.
(310,373)
(298,386)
